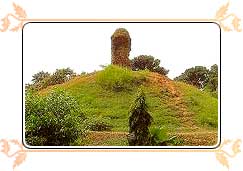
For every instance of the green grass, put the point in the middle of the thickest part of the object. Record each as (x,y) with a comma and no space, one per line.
(114,106)
(108,94)
(202,104)
(98,99)
(117,79)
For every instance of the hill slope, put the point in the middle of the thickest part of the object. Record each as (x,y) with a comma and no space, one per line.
(107,95)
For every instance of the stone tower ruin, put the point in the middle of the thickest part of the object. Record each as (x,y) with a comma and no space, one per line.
(120,47)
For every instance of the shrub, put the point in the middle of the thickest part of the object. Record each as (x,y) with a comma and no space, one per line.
(99,124)
(139,122)
(117,78)
(158,135)
(54,120)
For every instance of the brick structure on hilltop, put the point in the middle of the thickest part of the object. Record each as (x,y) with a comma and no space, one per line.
(120,48)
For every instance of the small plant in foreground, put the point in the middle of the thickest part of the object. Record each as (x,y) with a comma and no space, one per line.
(160,137)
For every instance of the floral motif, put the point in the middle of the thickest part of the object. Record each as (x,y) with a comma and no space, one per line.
(20,16)
(223,156)
(18,156)
(222,16)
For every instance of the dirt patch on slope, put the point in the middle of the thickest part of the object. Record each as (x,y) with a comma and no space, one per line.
(196,138)
(175,98)
(203,138)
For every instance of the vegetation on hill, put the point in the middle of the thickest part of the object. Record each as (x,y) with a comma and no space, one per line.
(103,100)
(43,79)
(139,122)
(148,62)
(52,120)
(202,78)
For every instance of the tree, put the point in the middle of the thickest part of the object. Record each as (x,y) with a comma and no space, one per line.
(43,79)
(139,122)
(143,62)
(40,76)
(197,76)
(213,78)
(61,75)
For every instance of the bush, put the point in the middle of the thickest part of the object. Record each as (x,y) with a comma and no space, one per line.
(158,135)
(99,124)
(54,120)
(117,78)
(139,122)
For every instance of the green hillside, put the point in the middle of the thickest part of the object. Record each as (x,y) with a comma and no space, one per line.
(106,96)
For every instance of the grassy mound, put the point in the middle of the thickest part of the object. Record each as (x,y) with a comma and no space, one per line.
(105,98)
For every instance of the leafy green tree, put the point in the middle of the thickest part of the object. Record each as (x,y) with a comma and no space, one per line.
(143,62)
(40,76)
(61,75)
(43,79)
(139,122)
(197,76)
(213,78)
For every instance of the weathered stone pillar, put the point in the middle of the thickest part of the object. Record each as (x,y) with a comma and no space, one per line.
(120,48)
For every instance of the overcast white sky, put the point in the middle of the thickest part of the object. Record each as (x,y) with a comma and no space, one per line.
(85,46)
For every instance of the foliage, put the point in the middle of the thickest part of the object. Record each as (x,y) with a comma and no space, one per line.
(61,75)
(139,122)
(196,76)
(34,104)
(40,76)
(144,62)
(99,124)
(52,120)
(112,106)
(212,85)
(202,78)
(117,79)
(159,135)
(43,79)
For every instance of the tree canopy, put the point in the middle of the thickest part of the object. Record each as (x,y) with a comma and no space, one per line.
(38,77)
(201,77)
(197,76)
(213,78)
(143,62)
